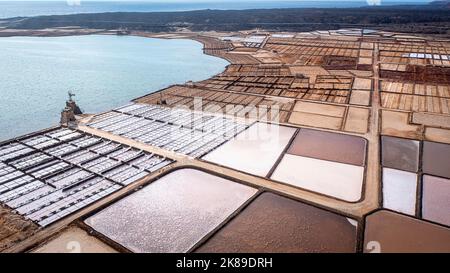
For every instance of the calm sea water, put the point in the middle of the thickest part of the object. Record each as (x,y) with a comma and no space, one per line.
(33,8)
(103,72)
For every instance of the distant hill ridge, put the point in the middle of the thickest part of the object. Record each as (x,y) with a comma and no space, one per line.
(430,19)
(442,3)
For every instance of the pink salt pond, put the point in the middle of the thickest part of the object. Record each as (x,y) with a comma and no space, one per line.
(327,163)
(171,214)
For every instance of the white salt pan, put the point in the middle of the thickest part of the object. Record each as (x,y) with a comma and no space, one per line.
(255,150)
(338,180)
(399,191)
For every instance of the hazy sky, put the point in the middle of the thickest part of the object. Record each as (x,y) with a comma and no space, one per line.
(159,1)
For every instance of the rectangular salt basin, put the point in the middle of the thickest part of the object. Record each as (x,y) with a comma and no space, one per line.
(74,240)
(275,224)
(436,159)
(436,199)
(173,213)
(255,150)
(329,146)
(389,232)
(342,181)
(398,153)
(399,191)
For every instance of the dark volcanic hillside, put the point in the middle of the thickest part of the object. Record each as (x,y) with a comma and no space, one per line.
(441,3)
(427,19)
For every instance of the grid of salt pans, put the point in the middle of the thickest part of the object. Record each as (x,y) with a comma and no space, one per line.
(179,130)
(426,56)
(250,41)
(49,175)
